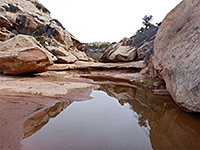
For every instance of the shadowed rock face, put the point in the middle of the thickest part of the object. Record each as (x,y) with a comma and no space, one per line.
(167,126)
(177,53)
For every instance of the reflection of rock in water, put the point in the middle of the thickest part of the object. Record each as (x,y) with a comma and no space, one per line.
(170,127)
(36,122)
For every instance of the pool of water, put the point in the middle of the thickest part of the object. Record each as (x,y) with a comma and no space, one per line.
(118,118)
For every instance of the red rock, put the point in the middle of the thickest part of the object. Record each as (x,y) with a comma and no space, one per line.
(22,54)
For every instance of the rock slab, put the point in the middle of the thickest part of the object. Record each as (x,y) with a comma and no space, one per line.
(177,54)
(82,65)
(23,54)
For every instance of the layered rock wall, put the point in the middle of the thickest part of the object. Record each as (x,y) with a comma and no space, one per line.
(31,18)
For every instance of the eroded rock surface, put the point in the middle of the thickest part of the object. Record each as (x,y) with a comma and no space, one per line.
(23,54)
(119,53)
(80,65)
(177,53)
(29,17)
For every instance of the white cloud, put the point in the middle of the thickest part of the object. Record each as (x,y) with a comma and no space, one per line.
(106,20)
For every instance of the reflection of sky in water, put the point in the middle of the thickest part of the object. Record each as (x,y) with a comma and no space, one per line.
(128,118)
(101,123)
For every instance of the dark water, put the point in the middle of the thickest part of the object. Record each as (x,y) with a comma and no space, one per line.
(118,118)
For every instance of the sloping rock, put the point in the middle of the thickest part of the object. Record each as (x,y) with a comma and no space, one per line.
(57,51)
(32,18)
(177,54)
(81,56)
(22,54)
(70,58)
(144,49)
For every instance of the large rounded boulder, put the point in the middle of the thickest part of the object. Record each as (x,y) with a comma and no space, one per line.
(23,54)
(177,54)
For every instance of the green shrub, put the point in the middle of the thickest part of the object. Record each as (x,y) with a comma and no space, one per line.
(102,46)
(63,43)
(146,23)
(41,39)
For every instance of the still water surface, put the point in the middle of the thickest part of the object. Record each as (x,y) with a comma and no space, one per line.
(118,118)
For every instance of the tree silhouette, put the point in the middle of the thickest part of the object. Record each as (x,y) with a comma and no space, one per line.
(146,23)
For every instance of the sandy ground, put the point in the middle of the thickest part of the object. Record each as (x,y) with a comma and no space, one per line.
(22,97)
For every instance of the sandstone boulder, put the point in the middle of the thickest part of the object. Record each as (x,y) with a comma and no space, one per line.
(67,56)
(177,54)
(23,54)
(70,58)
(57,50)
(119,53)
(81,56)
(144,49)
(62,55)
(137,47)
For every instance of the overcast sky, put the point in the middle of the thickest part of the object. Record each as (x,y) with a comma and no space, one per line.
(106,20)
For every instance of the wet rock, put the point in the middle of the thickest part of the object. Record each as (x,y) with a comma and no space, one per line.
(22,54)
(177,53)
